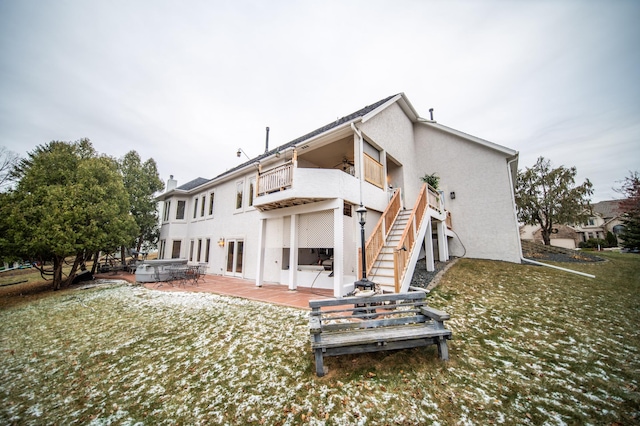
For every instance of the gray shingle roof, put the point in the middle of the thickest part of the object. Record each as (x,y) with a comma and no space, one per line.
(193,184)
(347,118)
(608,209)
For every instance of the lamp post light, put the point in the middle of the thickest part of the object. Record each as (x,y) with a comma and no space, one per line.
(364,283)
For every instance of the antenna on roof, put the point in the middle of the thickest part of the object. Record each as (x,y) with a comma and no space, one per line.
(431,113)
(266,149)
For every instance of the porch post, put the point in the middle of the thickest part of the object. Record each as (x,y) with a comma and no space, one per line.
(443,245)
(338,251)
(293,252)
(261,242)
(428,246)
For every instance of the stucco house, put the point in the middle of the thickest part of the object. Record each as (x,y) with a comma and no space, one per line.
(289,215)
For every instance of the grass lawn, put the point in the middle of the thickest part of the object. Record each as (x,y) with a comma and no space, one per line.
(531,345)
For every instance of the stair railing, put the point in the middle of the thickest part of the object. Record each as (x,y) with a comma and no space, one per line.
(379,234)
(402,252)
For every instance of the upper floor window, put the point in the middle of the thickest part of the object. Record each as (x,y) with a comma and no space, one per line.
(592,221)
(195,207)
(239,194)
(180,209)
(252,186)
(202,206)
(167,207)
(211,198)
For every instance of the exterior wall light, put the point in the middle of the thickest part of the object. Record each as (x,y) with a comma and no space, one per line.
(221,242)
(452,194)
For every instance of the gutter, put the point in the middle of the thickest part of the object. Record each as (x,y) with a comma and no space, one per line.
(515,213)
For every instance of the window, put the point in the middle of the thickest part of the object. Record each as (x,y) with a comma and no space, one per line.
(211,204)
(162,245)
(175,250)
(191,251)
(252,185)
(207,248)
(195,207)
(199,250)
(202,206)
(180,209)
(592,221)
(239,194)
(618,229)
(167,207)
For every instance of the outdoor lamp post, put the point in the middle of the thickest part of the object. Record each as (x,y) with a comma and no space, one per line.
(364,283)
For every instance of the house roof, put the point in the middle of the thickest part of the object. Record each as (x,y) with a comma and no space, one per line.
(193,184)
(363,114)
(337,123)
(607,209)
(334,124)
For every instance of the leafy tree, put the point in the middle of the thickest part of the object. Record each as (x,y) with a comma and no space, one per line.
(631,208)
(141,180)
(68,201)
(546,196)
(8,161)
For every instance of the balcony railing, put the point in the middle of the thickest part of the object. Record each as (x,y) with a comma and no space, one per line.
(373,171)
(276,179)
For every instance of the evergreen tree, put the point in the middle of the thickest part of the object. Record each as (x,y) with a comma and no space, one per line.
(142,182)
(68,201)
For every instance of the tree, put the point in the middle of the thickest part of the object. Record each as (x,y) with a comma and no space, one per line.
(630,207)
(141,180)
(8,161)
(547,197)
(68,201)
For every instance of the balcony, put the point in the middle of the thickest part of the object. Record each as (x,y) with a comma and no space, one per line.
(288,186)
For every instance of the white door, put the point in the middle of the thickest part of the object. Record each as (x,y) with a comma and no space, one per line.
(235,252)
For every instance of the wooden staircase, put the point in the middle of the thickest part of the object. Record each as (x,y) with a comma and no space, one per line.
(394,245)
(382,271)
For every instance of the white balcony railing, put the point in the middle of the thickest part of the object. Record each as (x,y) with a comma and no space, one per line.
(276,179)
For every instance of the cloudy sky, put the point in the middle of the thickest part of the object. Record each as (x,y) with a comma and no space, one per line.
(188,82)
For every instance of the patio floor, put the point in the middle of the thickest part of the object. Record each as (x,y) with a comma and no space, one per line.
(237,287)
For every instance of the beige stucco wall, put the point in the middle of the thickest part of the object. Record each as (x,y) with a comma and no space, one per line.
(483,209)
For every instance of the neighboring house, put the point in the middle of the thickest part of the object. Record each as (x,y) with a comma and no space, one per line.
(606,217)
(289,215)
(562,236)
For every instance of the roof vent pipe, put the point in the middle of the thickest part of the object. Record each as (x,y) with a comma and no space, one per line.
(431,113)
(266,149)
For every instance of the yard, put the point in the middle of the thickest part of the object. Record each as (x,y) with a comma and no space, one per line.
(531,345)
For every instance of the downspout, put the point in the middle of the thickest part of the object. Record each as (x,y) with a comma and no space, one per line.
(360,158)
(515,215)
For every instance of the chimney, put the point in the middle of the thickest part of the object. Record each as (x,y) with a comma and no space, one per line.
(431,113)
(266,149)
(171,183)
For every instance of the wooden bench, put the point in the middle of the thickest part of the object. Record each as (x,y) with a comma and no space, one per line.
(377,323)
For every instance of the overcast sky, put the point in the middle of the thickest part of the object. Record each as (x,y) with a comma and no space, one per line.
(188,82)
